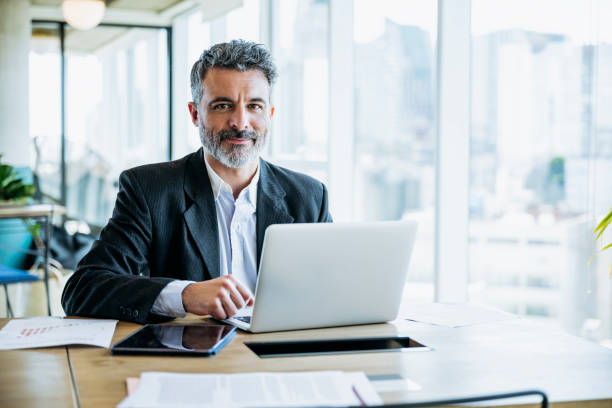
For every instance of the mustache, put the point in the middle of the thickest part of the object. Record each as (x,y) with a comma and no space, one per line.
(236,134)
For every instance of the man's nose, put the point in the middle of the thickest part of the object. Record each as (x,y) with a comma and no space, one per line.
(239,119)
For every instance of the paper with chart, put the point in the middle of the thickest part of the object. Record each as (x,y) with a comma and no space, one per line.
(54,331)
(294,389)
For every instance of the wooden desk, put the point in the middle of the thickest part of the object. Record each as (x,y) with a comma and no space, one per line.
(483,359)
(35,377)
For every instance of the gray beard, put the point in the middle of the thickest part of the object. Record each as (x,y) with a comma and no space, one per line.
(239,155)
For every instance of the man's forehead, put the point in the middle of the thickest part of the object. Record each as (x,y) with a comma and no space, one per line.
(231,82)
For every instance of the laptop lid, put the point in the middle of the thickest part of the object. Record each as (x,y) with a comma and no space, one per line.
(331,274)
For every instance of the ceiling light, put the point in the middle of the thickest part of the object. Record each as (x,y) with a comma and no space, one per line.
(83,14)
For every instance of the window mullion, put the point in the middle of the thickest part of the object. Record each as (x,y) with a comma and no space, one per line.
(341,109)
(452,168)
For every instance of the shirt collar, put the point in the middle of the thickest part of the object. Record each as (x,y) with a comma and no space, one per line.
(218,184)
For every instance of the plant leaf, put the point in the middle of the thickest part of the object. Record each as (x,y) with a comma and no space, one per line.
(606,247)
(601,231)
(34,230)
(5,171)
(604,223)
(10,178)
(12,186)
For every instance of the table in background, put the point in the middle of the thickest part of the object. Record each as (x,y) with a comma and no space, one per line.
(44,212)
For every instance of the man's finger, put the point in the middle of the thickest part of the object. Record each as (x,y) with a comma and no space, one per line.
(236,298)
(228,305)
(245,293)
(217,311)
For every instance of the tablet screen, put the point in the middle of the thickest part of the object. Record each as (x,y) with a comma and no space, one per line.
(177,340)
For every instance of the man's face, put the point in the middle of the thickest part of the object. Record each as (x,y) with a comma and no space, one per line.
(233,115)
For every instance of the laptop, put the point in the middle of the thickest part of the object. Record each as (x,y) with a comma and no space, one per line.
(329,274)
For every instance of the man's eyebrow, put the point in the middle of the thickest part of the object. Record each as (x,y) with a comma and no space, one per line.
(257,99)
(226,99)
(220,99)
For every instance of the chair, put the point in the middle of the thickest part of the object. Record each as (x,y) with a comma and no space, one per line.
(12,275)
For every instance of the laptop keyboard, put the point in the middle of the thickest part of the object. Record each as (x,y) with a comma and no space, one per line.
(246,319)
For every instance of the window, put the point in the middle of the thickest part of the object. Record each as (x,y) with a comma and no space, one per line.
(301,94)
(243,22)
(394,116)
(116,110)
(541,147)
(393,121)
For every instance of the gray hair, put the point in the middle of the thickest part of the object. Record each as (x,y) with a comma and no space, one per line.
(237,54)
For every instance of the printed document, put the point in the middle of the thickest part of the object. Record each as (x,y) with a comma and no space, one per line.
(453,314)
(294,389)
(55,331)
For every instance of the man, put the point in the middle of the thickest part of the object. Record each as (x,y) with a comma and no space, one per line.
(186,236)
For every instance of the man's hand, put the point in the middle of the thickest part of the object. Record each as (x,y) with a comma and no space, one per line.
(221,297)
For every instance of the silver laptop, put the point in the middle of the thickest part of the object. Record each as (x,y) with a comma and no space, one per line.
(329,274)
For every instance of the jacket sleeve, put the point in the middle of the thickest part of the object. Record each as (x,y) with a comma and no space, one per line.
(324,215)
(112,280)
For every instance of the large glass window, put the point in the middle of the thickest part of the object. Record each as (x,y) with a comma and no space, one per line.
(243,22)
(301,95)
(116,112)
(394,122)
(541,155)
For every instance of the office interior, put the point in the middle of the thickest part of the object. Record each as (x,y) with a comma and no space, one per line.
(487,122)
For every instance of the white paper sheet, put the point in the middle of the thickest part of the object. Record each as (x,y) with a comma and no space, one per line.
(453,314)
(400,384)
(364,388)
(54,331)
(301,389)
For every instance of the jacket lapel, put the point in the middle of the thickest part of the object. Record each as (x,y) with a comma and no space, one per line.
(201,214)
(271,206)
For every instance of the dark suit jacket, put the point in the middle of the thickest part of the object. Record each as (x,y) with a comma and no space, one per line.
(164,227)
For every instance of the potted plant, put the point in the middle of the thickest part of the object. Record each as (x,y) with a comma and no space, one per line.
(607,220)
(12,188)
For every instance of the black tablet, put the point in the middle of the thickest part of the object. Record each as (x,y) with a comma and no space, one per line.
(289,348)
(183,340)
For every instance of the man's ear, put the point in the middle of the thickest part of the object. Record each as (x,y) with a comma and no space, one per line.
(193,112)
(271,112)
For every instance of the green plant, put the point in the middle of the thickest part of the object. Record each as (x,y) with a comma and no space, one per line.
(12,187)
(607,220)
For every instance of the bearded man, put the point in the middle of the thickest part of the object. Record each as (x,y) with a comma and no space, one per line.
(186,236)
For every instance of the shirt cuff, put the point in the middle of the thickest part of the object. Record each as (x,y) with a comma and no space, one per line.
(169,302)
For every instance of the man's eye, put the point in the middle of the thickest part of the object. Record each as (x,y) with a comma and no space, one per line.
(221,106)
(256,107)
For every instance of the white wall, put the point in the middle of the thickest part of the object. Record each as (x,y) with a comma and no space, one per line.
(15,32)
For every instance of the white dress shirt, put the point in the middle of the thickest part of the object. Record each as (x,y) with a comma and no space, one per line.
(236,223)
